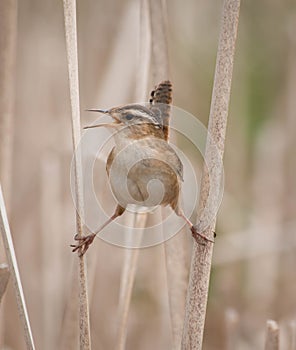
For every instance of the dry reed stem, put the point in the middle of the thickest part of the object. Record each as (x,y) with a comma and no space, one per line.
(4,278)
(8,34)
(231,324)
(15,276)
(132,255)
(177,277)
(197,294)
(175,248)
(127,281)
(71,44)
(272,335)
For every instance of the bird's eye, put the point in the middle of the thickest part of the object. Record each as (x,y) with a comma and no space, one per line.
(129,117)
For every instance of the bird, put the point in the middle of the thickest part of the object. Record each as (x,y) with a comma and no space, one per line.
(142,153)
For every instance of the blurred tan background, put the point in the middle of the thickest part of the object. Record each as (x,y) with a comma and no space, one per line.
(254,255)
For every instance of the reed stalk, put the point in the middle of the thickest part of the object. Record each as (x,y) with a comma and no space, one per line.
(134,219)
(175,251)
(72,56)
(127,280)
(197,294)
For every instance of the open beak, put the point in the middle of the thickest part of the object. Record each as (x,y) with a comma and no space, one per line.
(107,125)
(105,111)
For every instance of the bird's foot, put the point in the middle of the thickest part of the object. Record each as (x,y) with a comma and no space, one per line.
(197,234)
(83,243)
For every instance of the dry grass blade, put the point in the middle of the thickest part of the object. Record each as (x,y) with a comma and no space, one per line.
(71,44)
(177,277)
(132,255)
(175,248)
(127,281)
(14,271)
(197,294)
(4,278)
(272,335)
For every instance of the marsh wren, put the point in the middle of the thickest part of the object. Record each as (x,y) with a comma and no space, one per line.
(142,154)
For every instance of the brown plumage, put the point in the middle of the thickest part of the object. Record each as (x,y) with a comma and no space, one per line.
(142,154)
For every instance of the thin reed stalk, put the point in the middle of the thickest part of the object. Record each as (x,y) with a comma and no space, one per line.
(272,341)
(197,294)
(175,248)
(71,44)
(15,276)
(132,255)
(177,276)
(127,280)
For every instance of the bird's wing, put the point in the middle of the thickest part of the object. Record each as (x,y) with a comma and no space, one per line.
(164,152)
(160,101)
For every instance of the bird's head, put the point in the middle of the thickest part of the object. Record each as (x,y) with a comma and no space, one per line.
(134,119)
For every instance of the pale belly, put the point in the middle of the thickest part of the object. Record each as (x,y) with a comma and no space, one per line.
(139,176)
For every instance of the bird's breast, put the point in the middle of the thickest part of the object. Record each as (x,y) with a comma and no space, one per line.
(145,173)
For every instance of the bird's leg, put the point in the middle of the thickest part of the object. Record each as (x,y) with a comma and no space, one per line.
(193,228)
(85,241)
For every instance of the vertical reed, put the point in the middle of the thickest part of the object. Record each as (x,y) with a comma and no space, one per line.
(197,294)
(132,255)
(71,44)
(175,248)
